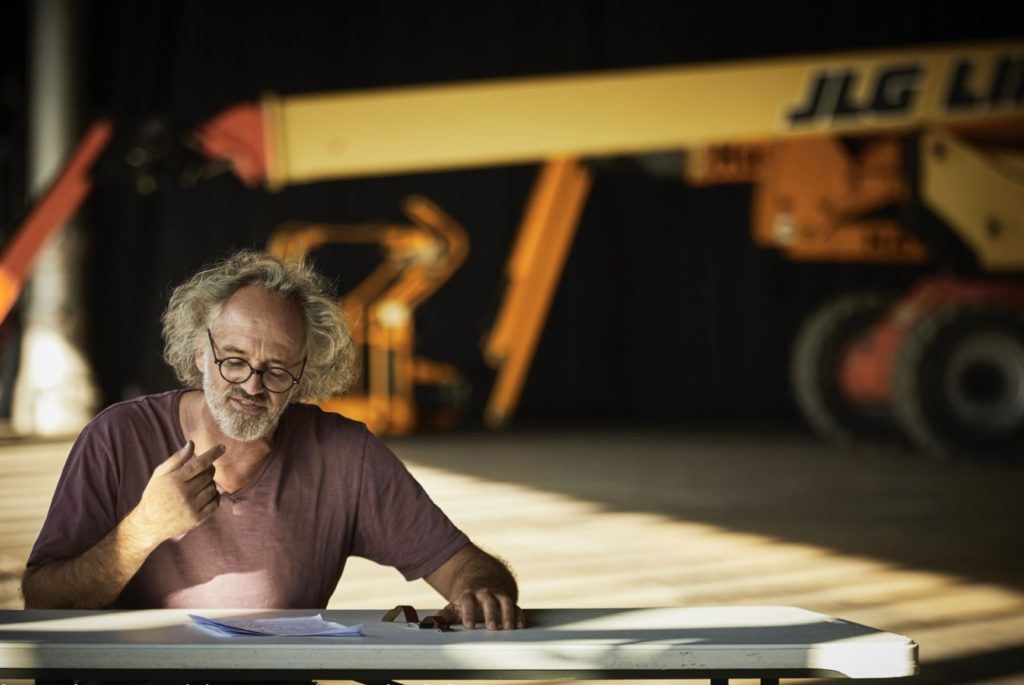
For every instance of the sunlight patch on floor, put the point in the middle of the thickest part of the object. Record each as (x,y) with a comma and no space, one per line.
(568,553)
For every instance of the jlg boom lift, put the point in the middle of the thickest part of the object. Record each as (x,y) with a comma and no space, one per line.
(900,155)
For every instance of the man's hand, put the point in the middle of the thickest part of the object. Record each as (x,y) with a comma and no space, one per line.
(180,494)
(478,588)
(494,608)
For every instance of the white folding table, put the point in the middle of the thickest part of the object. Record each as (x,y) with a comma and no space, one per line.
(715,643)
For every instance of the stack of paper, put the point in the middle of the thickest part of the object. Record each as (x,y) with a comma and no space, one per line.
(297,626)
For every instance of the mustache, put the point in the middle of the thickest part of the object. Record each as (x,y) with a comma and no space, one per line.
(261,400)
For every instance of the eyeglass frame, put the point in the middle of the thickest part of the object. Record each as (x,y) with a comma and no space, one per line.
(253,370)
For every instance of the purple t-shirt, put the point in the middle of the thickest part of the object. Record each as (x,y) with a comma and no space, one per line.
(329,490)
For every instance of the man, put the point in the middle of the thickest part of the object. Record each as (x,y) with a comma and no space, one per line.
(233,495)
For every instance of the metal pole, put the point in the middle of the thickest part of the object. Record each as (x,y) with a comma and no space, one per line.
(54,393)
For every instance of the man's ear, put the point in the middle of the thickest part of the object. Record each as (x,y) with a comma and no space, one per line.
(199,358)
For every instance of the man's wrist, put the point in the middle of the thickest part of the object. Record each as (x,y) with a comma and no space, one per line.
(138,533)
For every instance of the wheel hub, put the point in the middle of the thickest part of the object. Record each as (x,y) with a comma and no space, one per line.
(984,382)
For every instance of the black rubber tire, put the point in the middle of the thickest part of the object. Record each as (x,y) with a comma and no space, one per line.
(958,382)
(817,353)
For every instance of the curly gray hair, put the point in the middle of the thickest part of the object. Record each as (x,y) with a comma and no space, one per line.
(196,304)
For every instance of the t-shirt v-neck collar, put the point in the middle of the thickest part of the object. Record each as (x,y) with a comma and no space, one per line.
(258,476)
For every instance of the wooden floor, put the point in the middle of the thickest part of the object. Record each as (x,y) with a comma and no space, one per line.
(629,517)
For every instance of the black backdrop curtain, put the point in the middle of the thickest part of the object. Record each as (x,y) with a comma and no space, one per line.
(666,309)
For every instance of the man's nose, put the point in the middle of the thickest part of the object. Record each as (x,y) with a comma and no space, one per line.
(254,384)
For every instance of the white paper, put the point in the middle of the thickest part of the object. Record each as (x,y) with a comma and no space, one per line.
(294,626)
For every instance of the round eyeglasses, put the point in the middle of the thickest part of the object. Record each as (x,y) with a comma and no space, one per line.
(237,370)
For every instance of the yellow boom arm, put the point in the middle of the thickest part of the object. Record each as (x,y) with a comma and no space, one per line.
(515,121)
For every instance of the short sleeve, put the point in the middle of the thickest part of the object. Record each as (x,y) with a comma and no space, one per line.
(84,505)
(397,524)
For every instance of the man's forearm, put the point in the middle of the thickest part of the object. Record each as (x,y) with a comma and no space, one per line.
(478,587)
(481,570)
(94,579)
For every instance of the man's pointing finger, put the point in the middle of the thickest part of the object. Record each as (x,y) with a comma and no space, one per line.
(201,462)
(178,459)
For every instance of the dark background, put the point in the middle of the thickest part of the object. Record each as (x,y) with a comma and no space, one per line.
(666,310)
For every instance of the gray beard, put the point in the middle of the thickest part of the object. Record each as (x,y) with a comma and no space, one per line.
(233,423)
